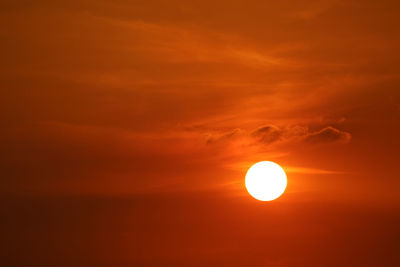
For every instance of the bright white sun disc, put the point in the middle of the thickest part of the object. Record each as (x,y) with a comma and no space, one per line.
(265,180)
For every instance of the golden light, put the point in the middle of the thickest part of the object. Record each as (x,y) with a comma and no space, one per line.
(266,181)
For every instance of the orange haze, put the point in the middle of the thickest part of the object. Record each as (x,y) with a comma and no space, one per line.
(127,128)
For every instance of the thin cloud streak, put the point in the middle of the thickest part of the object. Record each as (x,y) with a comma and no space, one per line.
(304,170)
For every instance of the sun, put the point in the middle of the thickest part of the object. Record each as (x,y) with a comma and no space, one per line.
(266,181)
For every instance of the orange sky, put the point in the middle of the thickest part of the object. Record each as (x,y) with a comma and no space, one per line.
(128,127)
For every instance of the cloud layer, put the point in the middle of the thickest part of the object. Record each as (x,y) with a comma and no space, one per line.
(272,134)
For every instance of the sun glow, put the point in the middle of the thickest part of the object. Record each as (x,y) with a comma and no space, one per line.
(266,181)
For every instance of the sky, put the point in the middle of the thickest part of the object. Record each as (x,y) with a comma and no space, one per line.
(127,128)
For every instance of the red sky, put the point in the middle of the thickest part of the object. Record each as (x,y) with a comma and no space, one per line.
(128,127)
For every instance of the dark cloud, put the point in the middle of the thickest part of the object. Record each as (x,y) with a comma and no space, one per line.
(268,134)
(328,135)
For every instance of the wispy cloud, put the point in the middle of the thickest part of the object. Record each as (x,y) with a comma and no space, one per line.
(272,134)
(304,170)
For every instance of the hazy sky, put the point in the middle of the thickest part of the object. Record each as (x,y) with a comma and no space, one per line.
(127,128)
